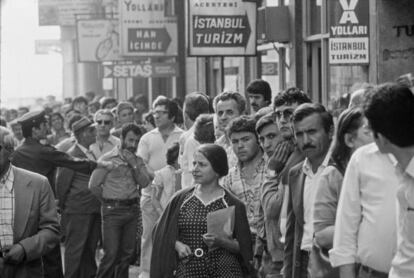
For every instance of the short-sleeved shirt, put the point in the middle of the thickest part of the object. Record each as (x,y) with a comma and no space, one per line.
(119,182)
(153,149)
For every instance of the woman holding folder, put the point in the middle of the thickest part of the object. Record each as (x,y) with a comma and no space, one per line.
(203,232)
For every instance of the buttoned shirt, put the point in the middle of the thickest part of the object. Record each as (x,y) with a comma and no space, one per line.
(365,229)
(309,194)
(153,150)
(403,262)
(99,148)
(119,182)
(247,189)
(6,209)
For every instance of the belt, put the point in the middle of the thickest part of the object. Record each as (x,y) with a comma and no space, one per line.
(121,202)
(373,272)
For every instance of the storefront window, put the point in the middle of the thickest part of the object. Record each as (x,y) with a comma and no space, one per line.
(231,73)
(315,17)
(343,81)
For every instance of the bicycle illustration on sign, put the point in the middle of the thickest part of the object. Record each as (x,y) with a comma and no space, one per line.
(109,46)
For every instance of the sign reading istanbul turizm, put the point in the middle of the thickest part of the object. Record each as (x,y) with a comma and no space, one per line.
(221,27)
(349,32)
(148,28)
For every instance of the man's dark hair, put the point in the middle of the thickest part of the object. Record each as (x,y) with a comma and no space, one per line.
(79,99)
(390,111)
(240,100)
(260,87)
(107,101)
(305,110)
(267,119)
(170,105)
(204,129)
(196,104)
(172,153)
(242,123)
(130,127)
(290,96)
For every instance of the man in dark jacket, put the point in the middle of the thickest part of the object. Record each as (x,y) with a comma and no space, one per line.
(79,207)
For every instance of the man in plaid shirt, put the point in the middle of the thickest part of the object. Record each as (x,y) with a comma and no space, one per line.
(28,219)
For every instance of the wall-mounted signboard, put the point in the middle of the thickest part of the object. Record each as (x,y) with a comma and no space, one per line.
(143,70)
(98,40)
(148,28)
(63,12)
(221,27)
(349,32)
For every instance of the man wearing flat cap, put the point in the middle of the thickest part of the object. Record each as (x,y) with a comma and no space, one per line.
(43,159)
(79,207)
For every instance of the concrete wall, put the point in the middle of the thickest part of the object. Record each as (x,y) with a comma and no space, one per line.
(395,52)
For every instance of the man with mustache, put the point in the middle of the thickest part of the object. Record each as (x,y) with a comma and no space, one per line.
(259,93)
(119,192)
(313,129)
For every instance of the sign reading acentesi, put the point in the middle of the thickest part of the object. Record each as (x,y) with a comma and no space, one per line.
(224,31)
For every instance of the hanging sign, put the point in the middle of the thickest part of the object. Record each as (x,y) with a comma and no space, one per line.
(349,32)
(148,28)
(221,27)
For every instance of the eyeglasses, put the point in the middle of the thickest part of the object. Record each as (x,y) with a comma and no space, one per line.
(287,114)
(160,112)
(99,122)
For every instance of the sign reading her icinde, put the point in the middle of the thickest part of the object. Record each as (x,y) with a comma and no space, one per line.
(221,27)
(349,32)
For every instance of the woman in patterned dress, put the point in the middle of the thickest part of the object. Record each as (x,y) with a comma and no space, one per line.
(182,246)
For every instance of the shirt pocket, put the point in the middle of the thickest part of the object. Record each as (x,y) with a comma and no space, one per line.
(409,225)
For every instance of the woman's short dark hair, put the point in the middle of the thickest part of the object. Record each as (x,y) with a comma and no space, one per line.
(217,157)
(130,127)
(349,121)
(204,129)
(172,153)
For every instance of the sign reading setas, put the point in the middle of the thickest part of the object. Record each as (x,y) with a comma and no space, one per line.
(141,70)
(221,27)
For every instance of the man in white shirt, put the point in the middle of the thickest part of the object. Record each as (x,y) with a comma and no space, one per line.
(152,148)
(227,106)
(195,104)
(105,142)
(313,128)
(390,113)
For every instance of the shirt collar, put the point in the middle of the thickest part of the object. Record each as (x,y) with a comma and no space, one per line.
(307,167)
(410,168)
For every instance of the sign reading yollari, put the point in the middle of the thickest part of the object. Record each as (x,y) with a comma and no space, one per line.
(222,27)
(141,70)
(148,28)
(349,32)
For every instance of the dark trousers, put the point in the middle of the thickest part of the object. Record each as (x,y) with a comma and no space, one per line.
(366,272)
(119,228)
(304,264)
(82,235)
(52,263)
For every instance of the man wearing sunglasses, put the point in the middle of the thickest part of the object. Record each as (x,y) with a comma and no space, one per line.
(29,226)
(105,141)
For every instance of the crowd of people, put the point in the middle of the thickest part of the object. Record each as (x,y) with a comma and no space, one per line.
(223,187)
